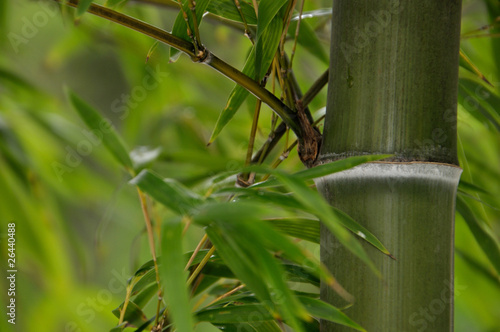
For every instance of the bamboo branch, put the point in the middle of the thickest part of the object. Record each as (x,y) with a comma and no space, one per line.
(285,113)
(298,122)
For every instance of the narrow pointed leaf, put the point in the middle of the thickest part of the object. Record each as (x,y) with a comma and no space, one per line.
(206,327)
(133,314)
(320,309)
(83,5)
(313,200)
(483,235)
(239,263)
(167,191)
(302,228)
(103,129)
(269,44)
(236,314)
(266,44)
(481,107)
(174,277)
(268,9)
(180,28)
(228,10)
(325,169)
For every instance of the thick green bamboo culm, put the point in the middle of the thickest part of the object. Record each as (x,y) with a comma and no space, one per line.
(393,89)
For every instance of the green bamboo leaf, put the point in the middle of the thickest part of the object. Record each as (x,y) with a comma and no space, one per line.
(228,10)
(479,106)
(244,217)
(489,98)
(314,201)
(147,279)
(218,269)
(287,201)
(268,10)
(180,28)
(249,238)
(133,314)
(482,270)
(266,326)
(320,309)
(309,40)
(238,262)
(467,186)
(268,270)
(302,228)
(235,314)
(145,295)
(325,169)
(481,232)
(103,129)
(168,192)
(83,6)
(112,3)
(301,274)
(174,277)
(263,53)
(266,43)
(119,328)
(206,327)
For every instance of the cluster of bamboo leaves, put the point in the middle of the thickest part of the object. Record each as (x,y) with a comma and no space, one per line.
(250,270)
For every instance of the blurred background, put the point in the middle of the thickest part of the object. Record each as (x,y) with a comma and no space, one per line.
(79,228)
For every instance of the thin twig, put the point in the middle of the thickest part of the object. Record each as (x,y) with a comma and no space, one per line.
(196,251)
(151,239)
(201,265)
(192,7)
(297,30)
(189,32)
(248,33)
(208,58)
(231,292)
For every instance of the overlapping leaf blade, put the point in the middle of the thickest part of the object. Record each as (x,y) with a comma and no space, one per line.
(328,312)
(168,192)
(83,6)
(227,9)
(314,201)
(102,129)
(180,29)
(264,54)
(483,235)
(174,277)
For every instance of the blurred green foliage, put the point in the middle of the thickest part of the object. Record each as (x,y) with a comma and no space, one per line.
(80,232)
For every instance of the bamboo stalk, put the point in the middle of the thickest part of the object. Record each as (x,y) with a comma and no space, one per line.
(393,89)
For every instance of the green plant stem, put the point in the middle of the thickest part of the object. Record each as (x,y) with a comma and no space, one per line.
(151,240)
(201,265)
(248,32)
(285,113)
(192,7)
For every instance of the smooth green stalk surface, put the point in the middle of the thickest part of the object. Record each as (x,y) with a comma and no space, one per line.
(393,89)
(410,207)
(393,80)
